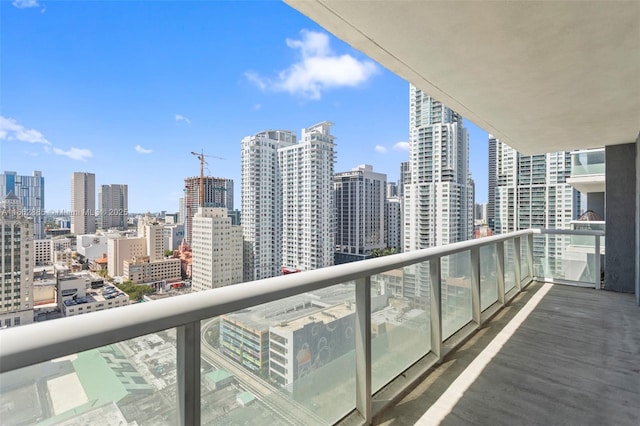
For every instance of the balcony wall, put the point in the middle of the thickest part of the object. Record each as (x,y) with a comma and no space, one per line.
(621,218)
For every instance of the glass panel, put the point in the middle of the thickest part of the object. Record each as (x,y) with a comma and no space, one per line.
(566,257)
(287,362)
(509,266)
(400,321)
(456,292)
(127,382)
(588,163)
(524,259)
(488,276)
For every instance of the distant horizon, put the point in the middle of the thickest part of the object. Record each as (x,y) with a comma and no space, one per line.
(127,90)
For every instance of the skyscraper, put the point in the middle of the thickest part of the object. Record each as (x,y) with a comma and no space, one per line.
(530,191)
(308,233)
(360,201)
(113,202)
(216,249)
(30,192)
(83,203)
(287,201)
(261,214)
(218,192)
(438,201)
(17,251)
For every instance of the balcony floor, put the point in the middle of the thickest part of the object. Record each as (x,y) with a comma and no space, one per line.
(575,360)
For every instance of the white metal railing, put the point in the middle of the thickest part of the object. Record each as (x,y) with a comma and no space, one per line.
(31,344)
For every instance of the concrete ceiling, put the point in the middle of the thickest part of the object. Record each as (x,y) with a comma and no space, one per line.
(541,76)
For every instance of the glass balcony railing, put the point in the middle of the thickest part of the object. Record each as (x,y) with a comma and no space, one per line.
(590,162)
(316,348)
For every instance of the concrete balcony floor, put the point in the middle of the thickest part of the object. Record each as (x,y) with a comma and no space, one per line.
(574,360)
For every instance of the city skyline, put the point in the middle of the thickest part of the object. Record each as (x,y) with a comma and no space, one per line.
(89,112)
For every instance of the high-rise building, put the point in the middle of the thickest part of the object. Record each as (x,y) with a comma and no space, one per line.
(491,214)
(287,201)
(439,200)
(530,191)
(30,192)
(17,251)
(405,178)
(360,206)
(216,250)
(392,189)
(308,233)
(262,214)
(218,192)
(113,205)
(83,203)
(153,232)
(393,223)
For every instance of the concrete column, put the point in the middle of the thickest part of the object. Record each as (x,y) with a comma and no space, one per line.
(638,219)
(621,200)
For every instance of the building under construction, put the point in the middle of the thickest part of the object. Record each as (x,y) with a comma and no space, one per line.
(218,192)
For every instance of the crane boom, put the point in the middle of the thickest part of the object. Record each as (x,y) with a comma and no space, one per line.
(201,157)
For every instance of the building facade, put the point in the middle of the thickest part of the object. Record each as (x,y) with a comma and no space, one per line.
(113,205)
(307,168)
(17,260)
(262,214)
(144,270)
(121,249)
(439,199)
(531,191)
(216,250)
(360,208)
(393,223)
(43,252)
(83,203)
(218,192)
(30,192)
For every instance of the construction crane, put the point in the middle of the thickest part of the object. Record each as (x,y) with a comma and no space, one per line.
(201,157)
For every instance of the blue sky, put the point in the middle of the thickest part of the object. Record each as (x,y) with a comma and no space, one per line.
(126,90)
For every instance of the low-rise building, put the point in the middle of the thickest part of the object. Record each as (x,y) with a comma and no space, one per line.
(94,300)
(144,270)
(43,252)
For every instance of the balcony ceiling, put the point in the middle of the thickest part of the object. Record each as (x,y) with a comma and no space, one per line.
(541,76)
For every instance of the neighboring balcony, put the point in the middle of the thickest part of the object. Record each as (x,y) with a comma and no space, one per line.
(345,343)
(588,169)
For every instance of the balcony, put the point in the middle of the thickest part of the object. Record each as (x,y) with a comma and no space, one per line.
(588,170)
(352,349)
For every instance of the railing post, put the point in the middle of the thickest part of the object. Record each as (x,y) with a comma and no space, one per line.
(500,271)
(475,286)
(530,254)
(436,307)
(518,265)
(363,348)
(597,262)
(188,373)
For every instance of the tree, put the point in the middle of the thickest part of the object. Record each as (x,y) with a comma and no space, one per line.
(383,252)
(168,253)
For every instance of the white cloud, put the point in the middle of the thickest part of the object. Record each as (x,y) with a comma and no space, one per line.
(256,107)
(75,153)
(23,4)
(381,149)
(142,150)
(318,69)
(182,118)
(11,130)
(401,146)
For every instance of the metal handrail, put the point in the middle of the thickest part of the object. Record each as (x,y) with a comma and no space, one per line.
(34,343)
